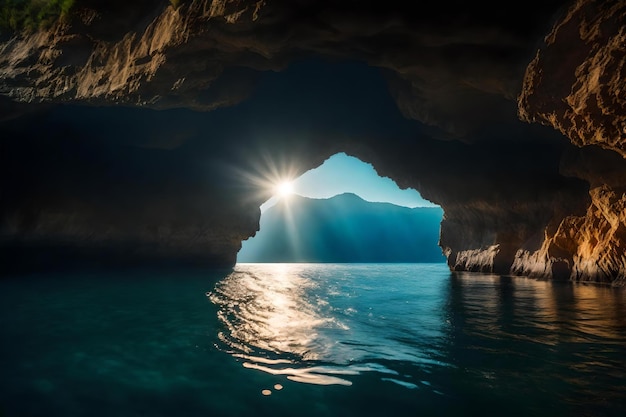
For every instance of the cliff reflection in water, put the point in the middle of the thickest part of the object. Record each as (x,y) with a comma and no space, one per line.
(539,346)
(533,344)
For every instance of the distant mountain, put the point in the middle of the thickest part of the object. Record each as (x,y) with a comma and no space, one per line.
(344,228)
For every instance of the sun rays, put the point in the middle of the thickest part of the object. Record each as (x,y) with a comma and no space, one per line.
(268,177)
(284,189)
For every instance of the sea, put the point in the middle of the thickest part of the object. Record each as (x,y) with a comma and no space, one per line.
(309,340)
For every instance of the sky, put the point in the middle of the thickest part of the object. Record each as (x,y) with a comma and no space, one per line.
(342,174)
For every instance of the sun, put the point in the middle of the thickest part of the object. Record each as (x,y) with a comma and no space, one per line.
(284,189)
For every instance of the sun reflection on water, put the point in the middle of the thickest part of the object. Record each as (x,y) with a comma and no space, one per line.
(420,327)
(268,312)
(272,322)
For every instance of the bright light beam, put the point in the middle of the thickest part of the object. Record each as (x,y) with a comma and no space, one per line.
(284,189)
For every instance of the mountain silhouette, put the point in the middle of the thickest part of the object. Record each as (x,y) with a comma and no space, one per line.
(344,228)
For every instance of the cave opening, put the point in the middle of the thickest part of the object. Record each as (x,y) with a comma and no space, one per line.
(343,211)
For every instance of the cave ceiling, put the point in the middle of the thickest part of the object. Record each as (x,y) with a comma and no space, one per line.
(454,66)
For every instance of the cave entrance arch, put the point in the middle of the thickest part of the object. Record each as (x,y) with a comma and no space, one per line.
(343,211)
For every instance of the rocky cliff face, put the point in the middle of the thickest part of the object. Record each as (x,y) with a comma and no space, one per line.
(588,246)
(575,83)
(139,184)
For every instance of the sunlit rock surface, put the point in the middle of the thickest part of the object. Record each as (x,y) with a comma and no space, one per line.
(127,184)
(590,246)
(441,59)
(575,83)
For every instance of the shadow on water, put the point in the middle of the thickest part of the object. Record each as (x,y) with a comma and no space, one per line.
(537,347)
(108,343)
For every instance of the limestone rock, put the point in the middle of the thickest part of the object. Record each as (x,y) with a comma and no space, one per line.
(575,83)
(584,248)
(453,66)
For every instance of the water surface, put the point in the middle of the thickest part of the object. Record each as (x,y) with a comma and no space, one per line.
(338,340)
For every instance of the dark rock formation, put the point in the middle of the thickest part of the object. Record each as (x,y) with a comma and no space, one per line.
(139,184)
(67,203)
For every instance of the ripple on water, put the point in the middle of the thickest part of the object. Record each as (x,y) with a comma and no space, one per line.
(311,327)
(151,344)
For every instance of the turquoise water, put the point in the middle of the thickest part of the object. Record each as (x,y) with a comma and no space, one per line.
(310,340)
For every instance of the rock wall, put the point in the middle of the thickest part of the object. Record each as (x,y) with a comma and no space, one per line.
(575,84)
(589,246)
(69,202)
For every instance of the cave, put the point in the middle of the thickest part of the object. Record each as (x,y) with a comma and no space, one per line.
(138,140)
(128,129)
